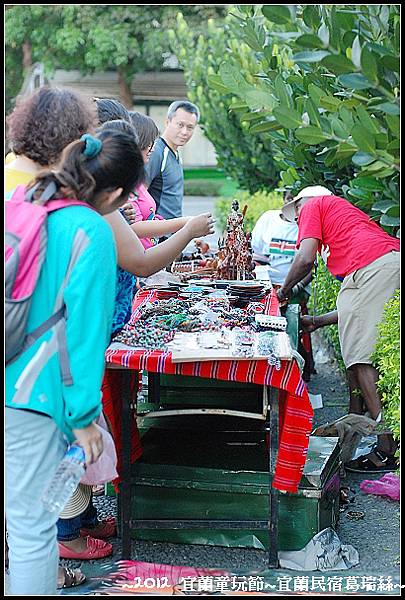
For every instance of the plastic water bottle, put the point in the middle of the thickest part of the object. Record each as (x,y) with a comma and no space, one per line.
(65,481)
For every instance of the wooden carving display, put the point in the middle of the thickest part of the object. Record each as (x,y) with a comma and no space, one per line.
(234,259)
(235,251)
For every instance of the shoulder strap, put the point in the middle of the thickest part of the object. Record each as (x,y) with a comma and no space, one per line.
(46,198)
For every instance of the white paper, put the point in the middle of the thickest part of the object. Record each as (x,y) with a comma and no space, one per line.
(316,400)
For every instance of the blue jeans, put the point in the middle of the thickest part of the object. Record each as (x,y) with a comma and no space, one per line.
(69,529)
(34,448)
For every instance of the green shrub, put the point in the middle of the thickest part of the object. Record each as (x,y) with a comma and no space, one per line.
(327,289)
(203,187)
(387,361)
(257,204)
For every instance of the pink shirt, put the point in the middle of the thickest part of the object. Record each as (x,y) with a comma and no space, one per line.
(145,207)
(348,238)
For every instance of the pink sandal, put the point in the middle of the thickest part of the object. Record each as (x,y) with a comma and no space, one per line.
(108,529)
(95,549)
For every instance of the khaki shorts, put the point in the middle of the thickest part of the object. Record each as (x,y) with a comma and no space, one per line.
(360,306)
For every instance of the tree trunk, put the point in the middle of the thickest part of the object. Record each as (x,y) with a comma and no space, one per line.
(125,90)
(27,56)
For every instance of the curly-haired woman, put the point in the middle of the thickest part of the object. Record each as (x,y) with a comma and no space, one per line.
(60,115)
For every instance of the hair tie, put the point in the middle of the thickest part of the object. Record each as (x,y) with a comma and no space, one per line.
(93,145)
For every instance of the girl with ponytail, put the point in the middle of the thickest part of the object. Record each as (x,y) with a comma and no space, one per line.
(99,171)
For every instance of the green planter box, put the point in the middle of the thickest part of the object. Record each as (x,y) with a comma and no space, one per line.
(222,474)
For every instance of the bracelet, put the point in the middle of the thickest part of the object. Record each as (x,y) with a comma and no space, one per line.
(313,320)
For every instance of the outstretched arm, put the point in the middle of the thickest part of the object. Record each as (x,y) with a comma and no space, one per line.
(158,227)
(132,256)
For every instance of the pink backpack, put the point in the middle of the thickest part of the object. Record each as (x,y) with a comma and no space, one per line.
(25,249)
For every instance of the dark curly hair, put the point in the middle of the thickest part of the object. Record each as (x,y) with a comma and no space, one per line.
(43,124)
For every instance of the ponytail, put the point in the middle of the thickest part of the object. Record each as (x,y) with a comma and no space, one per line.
(93,165)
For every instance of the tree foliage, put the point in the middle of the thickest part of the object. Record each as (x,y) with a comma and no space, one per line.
(326,87)
(127,38)
(244,157)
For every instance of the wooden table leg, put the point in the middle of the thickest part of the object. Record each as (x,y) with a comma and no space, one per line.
(273,493)
(125,486)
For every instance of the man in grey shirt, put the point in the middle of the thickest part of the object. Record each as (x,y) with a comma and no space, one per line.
(164,173)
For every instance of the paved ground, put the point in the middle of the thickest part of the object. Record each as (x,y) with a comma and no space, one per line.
(376,536)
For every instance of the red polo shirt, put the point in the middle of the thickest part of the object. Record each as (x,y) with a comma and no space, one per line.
(348,238)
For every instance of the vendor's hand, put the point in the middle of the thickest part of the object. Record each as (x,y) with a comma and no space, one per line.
(282,296)
(91,440)
(129,213)
(200,225)
(308,323)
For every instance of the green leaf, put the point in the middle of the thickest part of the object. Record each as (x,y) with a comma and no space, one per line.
(309,41)
(287,117)
(393,123)
(354,81)
(282,91)
(391,62)
(366,120)
(372,169)
(310,135)
(278,14)
(238,107)
(254,116)
(369,64)
(311,16)
(384,205)
(391,108)
(266,126)
(362,159)
(258,99)
(346,116)
(368,183)
(299,156)
(389,221)
(345,150)
(340,129)
(330,103)
(255,37)
(287,178)
(394,211)
(232,78)
(310,57)
(337,63)
(358,193)
(393,147)
(215,82)
(316,93)
(312,112)
(363,139)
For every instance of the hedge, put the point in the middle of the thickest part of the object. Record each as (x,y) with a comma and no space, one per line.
(386,359)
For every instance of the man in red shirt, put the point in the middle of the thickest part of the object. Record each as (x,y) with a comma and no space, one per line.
(366,260)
